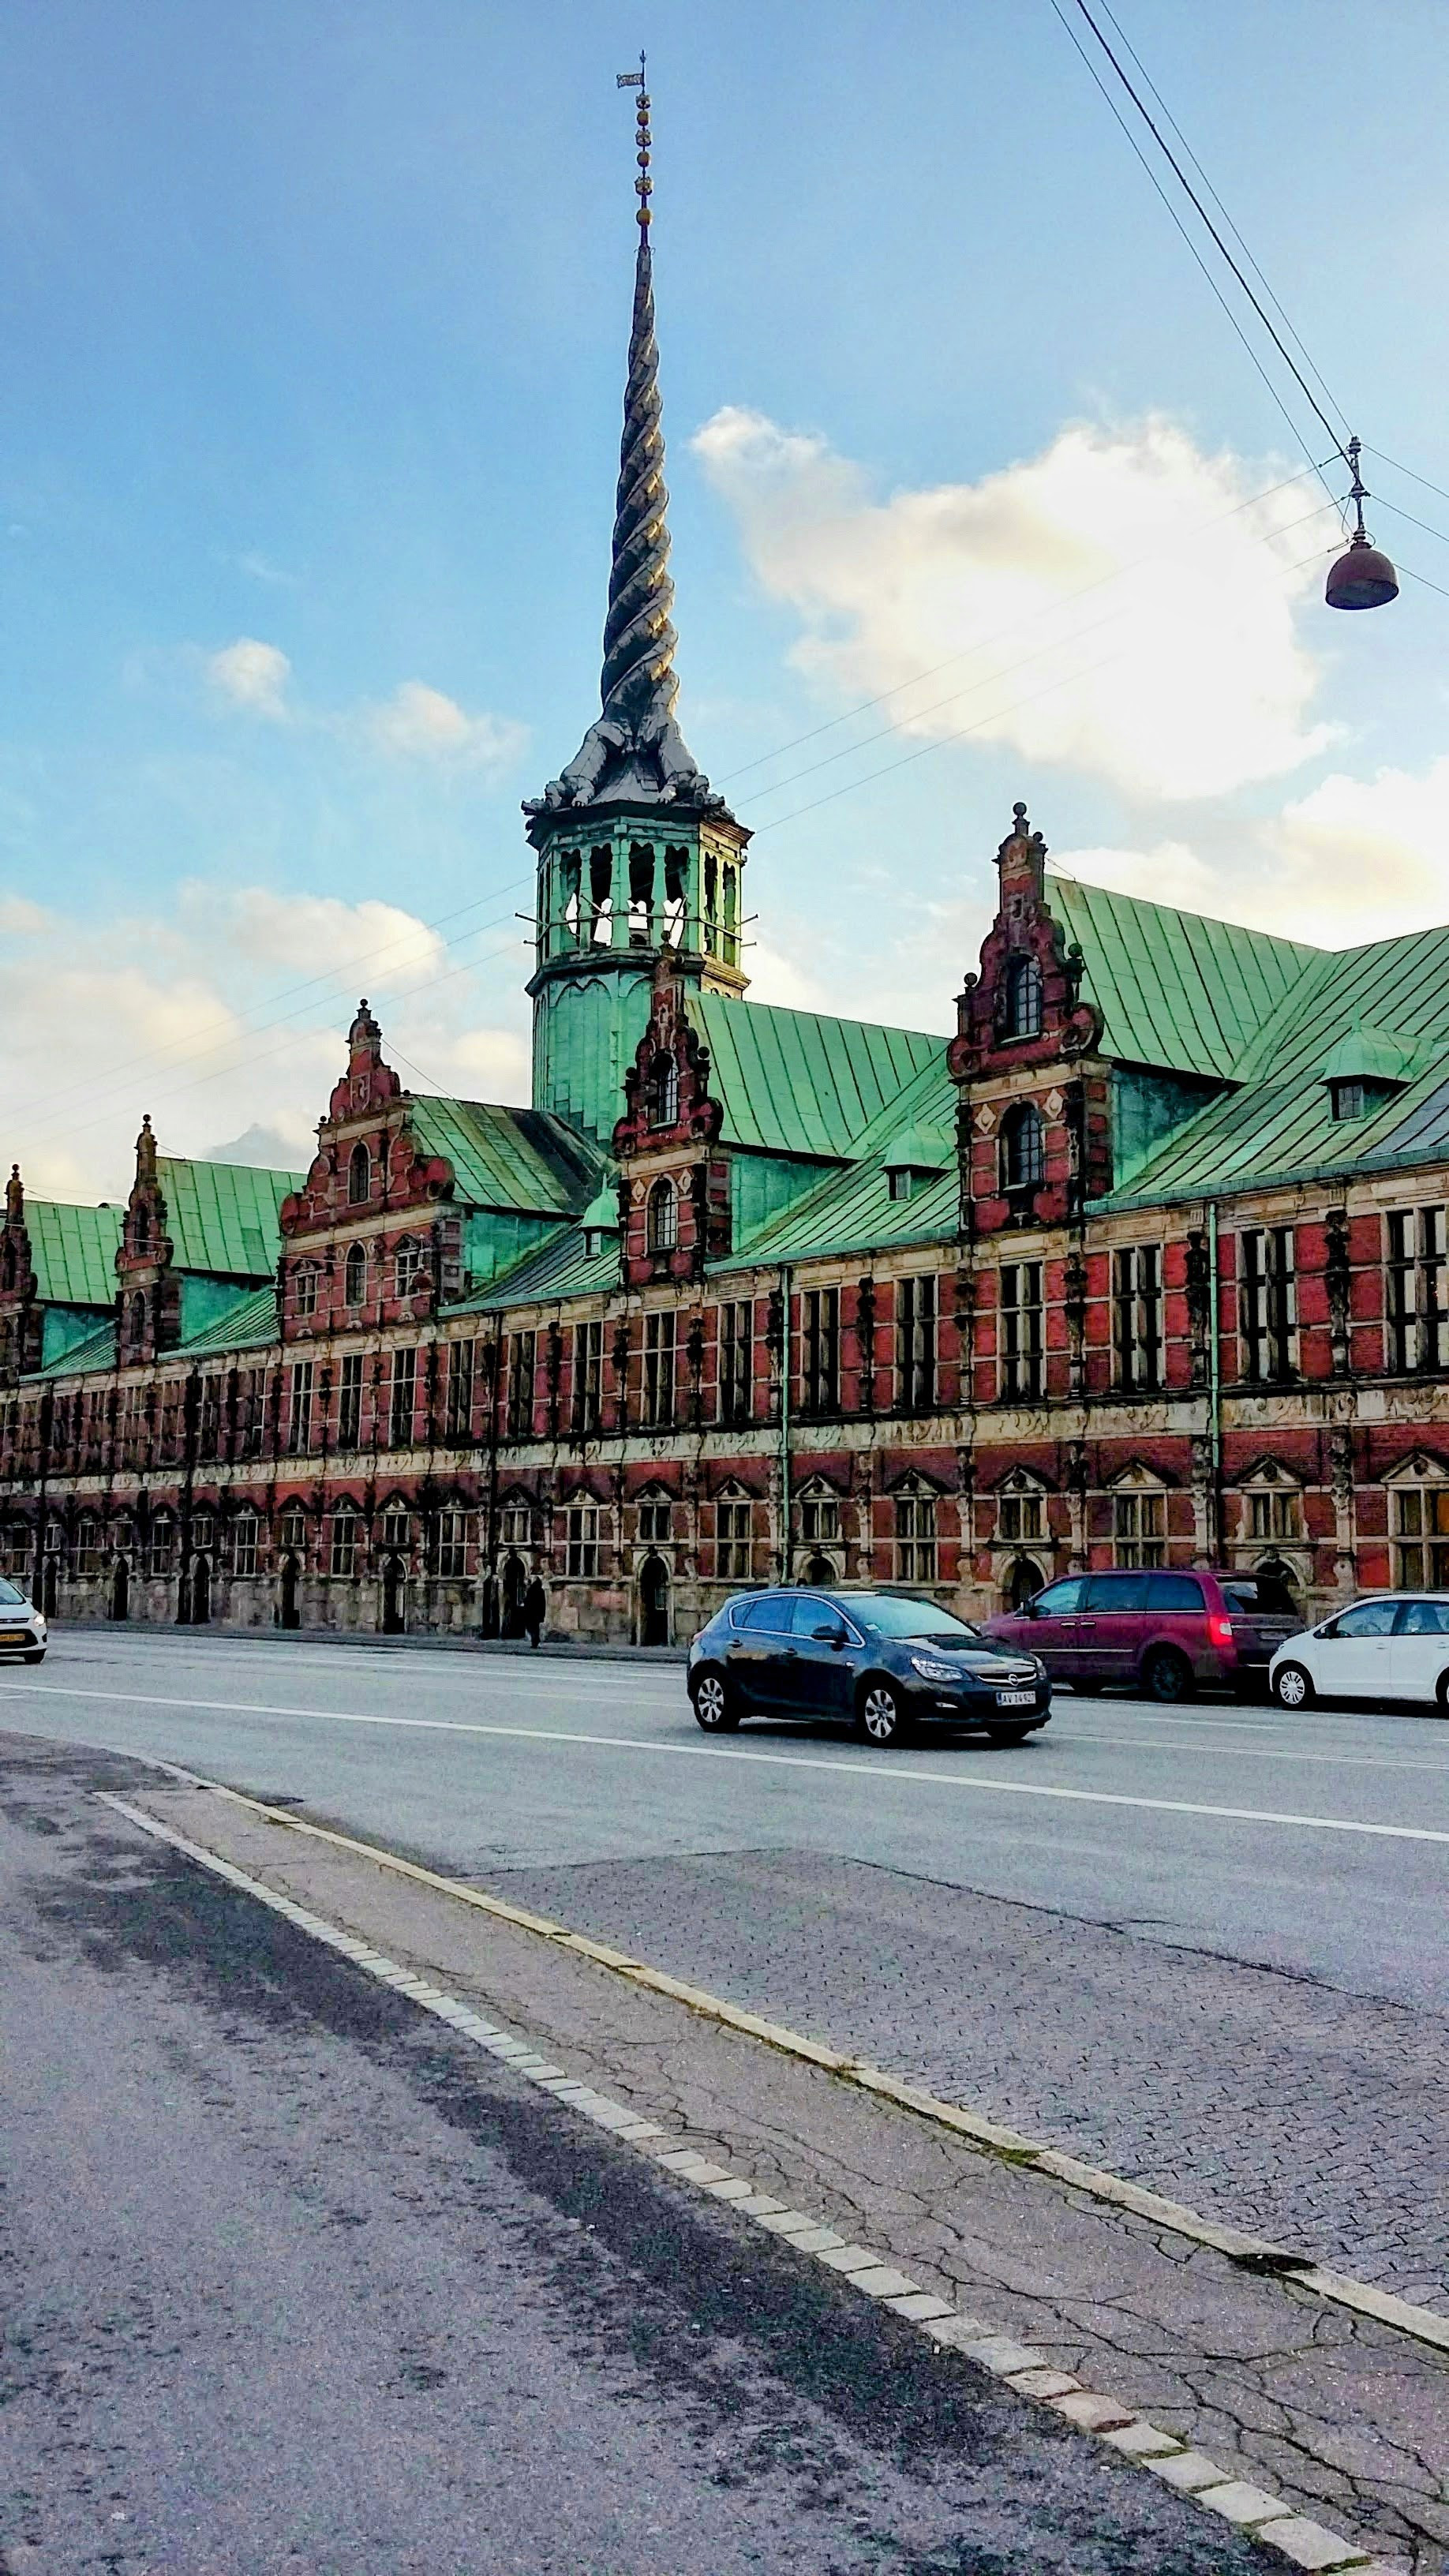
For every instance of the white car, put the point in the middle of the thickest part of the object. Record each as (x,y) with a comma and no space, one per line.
(22,1626)
(1394,1646)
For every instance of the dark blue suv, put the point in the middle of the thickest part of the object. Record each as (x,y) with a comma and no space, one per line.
(885,1662)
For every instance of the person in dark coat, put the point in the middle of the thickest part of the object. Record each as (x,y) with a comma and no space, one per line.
(535,1610)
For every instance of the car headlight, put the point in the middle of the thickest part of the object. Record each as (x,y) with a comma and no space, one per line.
(932,1672)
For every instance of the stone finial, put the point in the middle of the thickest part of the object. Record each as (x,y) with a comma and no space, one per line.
(146,1151)
(15,1197)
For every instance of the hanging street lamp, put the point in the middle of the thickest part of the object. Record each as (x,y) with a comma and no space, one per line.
(1362,578)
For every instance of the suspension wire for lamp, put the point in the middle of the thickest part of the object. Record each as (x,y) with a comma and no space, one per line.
(1059,11)
(1276,301)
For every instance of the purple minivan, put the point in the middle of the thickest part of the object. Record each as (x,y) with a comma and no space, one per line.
(1159,1631)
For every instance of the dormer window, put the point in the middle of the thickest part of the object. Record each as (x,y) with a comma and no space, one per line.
(1349,1097)
(664,1094)
(1023,999)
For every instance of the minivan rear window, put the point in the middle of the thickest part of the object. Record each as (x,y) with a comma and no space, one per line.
(1265,1594)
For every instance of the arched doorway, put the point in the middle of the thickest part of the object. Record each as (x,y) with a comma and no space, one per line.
(515,1584)
(394,1597)
(653,1602)
(1023,1582)
(200,1589)
(820,1572)
(121,1589)
(290,1611)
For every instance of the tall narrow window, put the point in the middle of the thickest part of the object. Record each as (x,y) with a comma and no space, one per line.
(304,1292)
(915,1536)
(1023,998)
(460,1390)
(662,1217)
(244,1546)
(1137,1314)
(354,1274)
(658,1369)
(820,1359)
(1269,1301)
(359,1176)
(736,1359)
(588,1378)
(583,1540)
(1418,1323)
(732,1549)
(403,1398)
(1419,1524)
(1021,1329)
(664,1093)
(448,1544)
(1139,1528)
(345,1527)
(349,1400)
(299,1417)
(520,1385)
(916,1341)
(407,1267)
(1023,1149)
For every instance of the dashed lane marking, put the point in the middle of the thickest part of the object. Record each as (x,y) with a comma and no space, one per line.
(973,1783)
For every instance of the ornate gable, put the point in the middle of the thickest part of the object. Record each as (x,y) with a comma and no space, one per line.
(1035,1118)
(675,1186)
(150,1291)
(21,1321)
(370,1238)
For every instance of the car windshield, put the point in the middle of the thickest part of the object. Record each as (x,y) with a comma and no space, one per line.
(891,1616)
(8,1592)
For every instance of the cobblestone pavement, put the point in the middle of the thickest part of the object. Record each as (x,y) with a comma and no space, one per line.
(1308,2116)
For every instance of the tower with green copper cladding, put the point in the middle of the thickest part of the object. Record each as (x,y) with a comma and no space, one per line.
(636,851)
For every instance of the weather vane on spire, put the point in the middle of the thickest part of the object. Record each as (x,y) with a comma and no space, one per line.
(643,185)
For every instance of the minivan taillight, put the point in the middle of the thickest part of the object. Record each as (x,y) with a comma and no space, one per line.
(1220,1628)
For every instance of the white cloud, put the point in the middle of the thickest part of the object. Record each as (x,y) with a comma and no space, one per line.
(253,676)
(419,723)
(21,918)
(208,1017)
(1108,605)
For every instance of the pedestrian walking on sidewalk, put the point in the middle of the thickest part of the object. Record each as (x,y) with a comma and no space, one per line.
(535,1610)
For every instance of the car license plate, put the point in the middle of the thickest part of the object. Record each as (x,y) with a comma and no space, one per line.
(15,1637)
(1016,1699)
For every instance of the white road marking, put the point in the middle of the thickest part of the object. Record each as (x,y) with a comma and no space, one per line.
(1254,1752)
(973,1781)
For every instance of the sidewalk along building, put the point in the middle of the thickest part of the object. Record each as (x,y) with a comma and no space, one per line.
(1143,1266)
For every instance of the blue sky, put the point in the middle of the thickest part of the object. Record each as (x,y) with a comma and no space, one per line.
(314,324)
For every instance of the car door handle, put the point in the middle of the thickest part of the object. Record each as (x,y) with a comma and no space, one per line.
(791,1655)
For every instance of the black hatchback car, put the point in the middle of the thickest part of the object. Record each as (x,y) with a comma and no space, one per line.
(884,1662)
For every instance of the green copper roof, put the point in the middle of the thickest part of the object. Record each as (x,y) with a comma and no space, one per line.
(562,1267)
(222,1217)
(1175,988)
(246,1326)
(97,1351)
(74,1252)
(1371,1055)
(1278,1124)
(794,1082)
(508,1158)
(852,1210)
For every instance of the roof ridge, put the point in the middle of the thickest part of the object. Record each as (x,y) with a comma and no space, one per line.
(1187,912)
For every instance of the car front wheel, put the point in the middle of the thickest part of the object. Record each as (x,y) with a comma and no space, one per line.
(714,1704)
(1293,1687)
(880,1717)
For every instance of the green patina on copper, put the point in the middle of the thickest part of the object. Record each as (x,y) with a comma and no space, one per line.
(73,1251)
(222,1217)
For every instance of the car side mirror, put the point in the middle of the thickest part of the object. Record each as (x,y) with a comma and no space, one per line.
(828,1636)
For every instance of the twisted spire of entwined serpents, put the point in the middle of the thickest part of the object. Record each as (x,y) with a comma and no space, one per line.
(634,750)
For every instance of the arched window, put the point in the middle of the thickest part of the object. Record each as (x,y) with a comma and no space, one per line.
(664,1094)
(1023,998)
(354,1277)
(359,1176)
(136,1320)
(1023,1148)
(663,1217)
(140,1228)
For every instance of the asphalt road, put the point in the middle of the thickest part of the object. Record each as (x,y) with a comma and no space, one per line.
(295,2280)
(1207,1946)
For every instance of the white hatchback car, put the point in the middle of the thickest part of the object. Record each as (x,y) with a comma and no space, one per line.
(1395,1646)
(22,1626)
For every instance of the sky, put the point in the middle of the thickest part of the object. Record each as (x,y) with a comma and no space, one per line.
(314,322)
